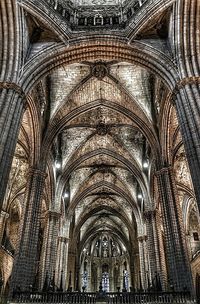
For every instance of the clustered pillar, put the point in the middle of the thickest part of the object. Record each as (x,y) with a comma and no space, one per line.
(61,264)
(49,250)
(157,265)
(12,97)
(179,273)
(25,265)
(186,95)
(143,262)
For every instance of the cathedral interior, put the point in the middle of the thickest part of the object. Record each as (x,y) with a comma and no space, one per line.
(100,146)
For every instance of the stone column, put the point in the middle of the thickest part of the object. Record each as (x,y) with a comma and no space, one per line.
(25,264)
(77,275)
(3,217)
(179,273)
(132,271)
(89,268)
(185,43)
(49,250)
(157,263)
(143,260)
(12,97)
(62,257)
(10,119)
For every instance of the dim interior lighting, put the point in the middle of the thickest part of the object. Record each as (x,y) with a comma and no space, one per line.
(66,195)
(139,196)
(145,165)
(58,165)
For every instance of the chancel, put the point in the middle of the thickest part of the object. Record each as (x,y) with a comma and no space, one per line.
(99,151)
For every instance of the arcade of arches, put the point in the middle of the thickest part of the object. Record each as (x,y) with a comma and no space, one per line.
(99,144)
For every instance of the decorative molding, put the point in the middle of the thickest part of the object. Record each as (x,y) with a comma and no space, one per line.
(53,214)
(63,239)
(163,170)
(142,238)
(13,86)
(182,83)
(35,171)
(4,214)
(150,214)
(102,128)
(99,70)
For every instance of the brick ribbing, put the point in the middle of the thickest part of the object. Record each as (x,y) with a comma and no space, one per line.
(179,273)
(26,257)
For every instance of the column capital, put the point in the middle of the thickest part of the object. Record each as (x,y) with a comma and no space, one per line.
(52,214)
(63,239)
(183,82)
(13,86)
(4,214)
(164,170)
(35,171)
(148,214)
(142,238)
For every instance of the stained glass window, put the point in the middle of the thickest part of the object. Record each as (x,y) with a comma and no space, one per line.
(105,281)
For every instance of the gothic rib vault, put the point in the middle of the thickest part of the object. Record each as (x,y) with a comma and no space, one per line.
(99,148)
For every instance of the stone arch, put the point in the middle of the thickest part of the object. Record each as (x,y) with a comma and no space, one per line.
(144,126)
(138,52)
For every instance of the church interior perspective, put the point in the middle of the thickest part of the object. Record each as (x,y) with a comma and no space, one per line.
(100,151)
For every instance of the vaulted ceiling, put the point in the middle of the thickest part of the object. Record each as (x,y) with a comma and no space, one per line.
(102,129)
(101,114)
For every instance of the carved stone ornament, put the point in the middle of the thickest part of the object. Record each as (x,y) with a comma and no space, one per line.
(99,70)
(102,128)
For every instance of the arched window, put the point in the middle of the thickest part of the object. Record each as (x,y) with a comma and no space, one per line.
(85,279)
(105,278)
(126,279)
(85,276)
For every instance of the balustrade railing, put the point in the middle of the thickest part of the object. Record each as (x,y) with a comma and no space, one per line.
(162,297)
(54,297)
(109,298)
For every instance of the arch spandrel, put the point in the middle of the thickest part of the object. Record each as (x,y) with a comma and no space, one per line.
(73,139)
(136,81)
(65,79)
(181,169)
(131,139)
(18,175)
